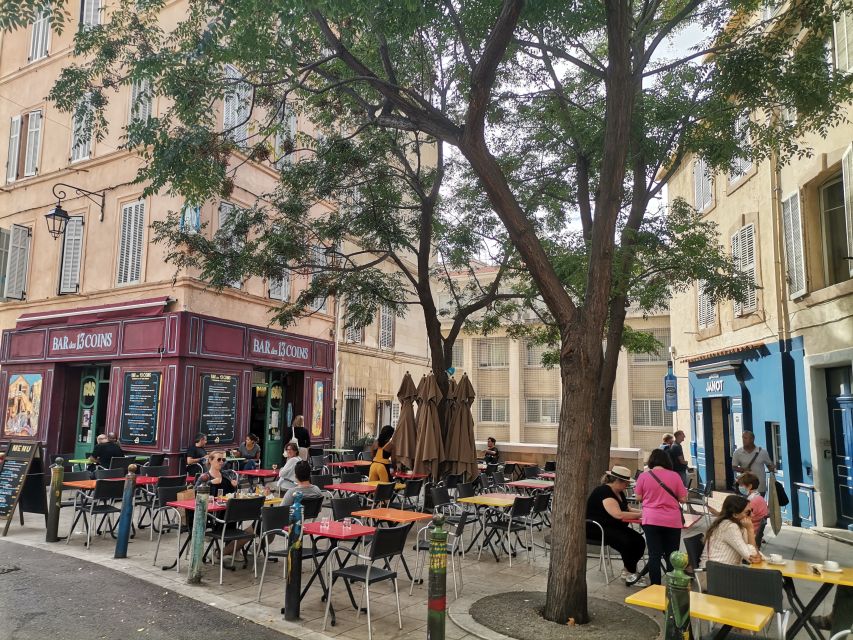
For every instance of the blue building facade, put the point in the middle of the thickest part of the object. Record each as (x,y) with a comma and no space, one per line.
(759,388)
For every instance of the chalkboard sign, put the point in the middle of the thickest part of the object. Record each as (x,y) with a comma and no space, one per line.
(218,407)
(140,408)
(14,481)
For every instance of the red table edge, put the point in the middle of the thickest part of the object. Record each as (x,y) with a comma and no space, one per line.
(358,531)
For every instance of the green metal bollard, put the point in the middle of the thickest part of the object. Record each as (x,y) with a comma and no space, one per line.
(125,518)
(293,579)
(677,625)
(54,506)
(199,522)
(437,590)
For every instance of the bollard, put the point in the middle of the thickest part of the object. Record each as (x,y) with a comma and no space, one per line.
(125,518)
(437,598)
(677,625)
(199,522)
(54,506)
(293,583)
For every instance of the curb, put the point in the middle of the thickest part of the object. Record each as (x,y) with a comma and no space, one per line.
(458,612)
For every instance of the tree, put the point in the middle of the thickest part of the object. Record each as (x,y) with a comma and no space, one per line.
(556,109)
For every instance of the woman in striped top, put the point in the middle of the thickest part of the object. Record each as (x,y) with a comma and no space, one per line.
(731,538)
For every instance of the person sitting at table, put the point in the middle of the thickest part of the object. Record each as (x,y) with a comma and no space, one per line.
(249,450)
(747,485)
(103,453)
(731,538)
(287,475)
(197,454)
(491,455)
(303,484)
(382,451)
(608,506)
(216,477)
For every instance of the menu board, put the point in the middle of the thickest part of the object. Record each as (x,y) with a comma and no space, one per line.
(13,476)
(140,407)
(218,407)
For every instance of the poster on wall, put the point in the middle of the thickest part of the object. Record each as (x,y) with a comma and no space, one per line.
(317,409)
(140,408)
(218,407)
(23,405)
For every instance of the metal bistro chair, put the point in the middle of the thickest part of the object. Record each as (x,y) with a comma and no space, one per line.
(318,464)
(122,462)
(509,471)
(550,466)
(383,495)
(755,586)
(151,503)
(166,494)
(411,496)
(503,525)
(100,503)
(237,510)
(694,546)
(274,524)
(531,473)
(110,474)
(75,476)
(455,545)
(156,460)
(388,543)
(348,457)
(604,559)
(352,476)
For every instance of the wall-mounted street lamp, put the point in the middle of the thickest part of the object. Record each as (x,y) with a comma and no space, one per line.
(57,218)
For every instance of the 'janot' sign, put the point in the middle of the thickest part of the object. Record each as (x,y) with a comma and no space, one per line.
(101,340)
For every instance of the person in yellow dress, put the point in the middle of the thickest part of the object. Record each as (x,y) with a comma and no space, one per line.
(382,452)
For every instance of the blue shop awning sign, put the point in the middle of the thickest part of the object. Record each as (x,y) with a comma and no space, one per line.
(717,379)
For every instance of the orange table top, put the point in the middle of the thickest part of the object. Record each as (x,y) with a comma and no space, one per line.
(259,473)
(351,463)
(90,484)
(399,516)
(352,487)
(336,531)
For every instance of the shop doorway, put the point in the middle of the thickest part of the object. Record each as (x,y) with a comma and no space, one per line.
(840,406)
(269,414)
(719,442)
(92,408)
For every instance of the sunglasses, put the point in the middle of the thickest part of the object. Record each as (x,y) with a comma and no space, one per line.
(217,459)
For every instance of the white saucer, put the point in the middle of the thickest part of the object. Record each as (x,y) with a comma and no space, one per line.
(777,564)
(822,568)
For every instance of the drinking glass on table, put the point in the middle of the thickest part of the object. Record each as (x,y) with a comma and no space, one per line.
(347,524)
(324,523)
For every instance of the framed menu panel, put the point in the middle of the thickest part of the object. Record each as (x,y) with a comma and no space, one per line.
(140,411)
(218,407)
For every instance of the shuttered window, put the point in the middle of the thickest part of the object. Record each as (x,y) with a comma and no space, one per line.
(4,260)
(743,254)
(14,149)
(702,187)
(90,13)
(457,358)
(740,166)
(650,413)
(40,37)
(140,100)
(81,132)
(280,287)
(395,413)
(130,242)
(541,410)
(33,143)
(17,265)
(226,215)
(494,409)
(190,221)
(795,267)
(354,335)
(387,320)
(237,104)
(72,256)
(843,42)
(706,312)
(494,352)
(847,177)
(319,260)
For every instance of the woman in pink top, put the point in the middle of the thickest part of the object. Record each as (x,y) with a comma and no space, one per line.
(661,491)
(747,485)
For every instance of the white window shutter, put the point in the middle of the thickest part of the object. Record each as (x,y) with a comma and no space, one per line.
(386,327)
(794,255)
(319,260)
(747,248)
(130,243)
(280,287)
(31,159)
(140,100)
(226,213)
(736,258)
(4,260)
(701,185)
(237,104)
(40,36)
(72,256)
(17,266)
(395,413)
(847,176)
(843,40)
(91,13)
(706,308)
(81,140)
(14,149)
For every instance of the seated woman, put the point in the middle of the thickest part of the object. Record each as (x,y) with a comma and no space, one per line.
(249,450)
(287,475)
(747,485)
(608,506)
(382,450)
(224,480)
(731,538)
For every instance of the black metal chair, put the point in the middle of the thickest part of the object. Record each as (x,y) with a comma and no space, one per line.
(694,546)
(502,525)
(122,462)
(542,510)
(492,467)
(455,546)
(550,465)
(322,480)
(154,472)
(107,474)
(156,460)
(75,476)
(149,503)
(388,543)
(318,464)
(383,495)
(351,476)
(411,496)
(348,457)
(227,531)
(100,503)
(509,471)
(745,584)
(498,482)
(274,525)
(165,514)
(531,473)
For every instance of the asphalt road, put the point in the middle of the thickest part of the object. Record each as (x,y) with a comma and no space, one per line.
(53,596)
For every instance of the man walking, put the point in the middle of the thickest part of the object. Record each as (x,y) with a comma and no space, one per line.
(676,454)
(753,459)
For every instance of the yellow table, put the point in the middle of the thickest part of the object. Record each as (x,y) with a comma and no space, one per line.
(372,483)
(499,500)
(725,611)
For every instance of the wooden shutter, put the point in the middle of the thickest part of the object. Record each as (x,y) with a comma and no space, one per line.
(4,260)
(40,36)
(72,256)
(140,100)
(318,264)
(17,265)
(31,159)
(847,176)
(843,40)
(90,13)
(701,185)
(794,255)
(130,243)
(743,254)
(706,314)
(386,327)
(14,149)
(236,106)
(229,240)
(81,139)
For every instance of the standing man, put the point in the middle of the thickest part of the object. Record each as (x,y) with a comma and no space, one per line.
(753,459)
(676,454)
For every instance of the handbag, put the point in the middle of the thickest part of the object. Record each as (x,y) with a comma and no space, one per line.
(670,492)
(781,494)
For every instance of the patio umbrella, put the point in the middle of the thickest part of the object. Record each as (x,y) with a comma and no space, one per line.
(461,451)
(405,438)
(429,452)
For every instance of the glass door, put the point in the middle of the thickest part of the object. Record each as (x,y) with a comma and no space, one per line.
(92,409)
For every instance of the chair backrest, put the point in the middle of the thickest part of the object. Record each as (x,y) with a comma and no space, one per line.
(541,502)
(491,467)
(75,476)
(322,480)
(509,468)
(171,481)
(531,472)
(389,541)
(240,509)
(738,582)
(351,477)
(694,546)
(343,507)
(311,507)
(348,457)
(413,488)
(709,488)
(318,462)
(275,518)
(168,493)
(154,472)
(550,465)
(452,480)
(101,474)
(156,459)
(522,506)
(459,529)
(108,490)
(384,491)
(465,490)
(497,478)
(440,496)
(363,455)
(122,462)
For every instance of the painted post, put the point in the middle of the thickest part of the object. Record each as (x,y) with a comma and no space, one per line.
(199,522)
(57,472)
(125,518)
(293,581)
(677,625)
(437,590)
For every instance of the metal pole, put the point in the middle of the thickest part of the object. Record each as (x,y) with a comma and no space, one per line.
(57,472)
(199,522)
(125,518)
(293,583)
(437,598)
(677,625)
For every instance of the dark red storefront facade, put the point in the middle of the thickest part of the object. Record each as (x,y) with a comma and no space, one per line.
(156,377)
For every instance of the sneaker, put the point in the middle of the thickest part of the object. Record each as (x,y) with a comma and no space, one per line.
(635,580)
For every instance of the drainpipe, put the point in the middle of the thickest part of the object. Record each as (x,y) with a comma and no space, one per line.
(780,275)
(337,373)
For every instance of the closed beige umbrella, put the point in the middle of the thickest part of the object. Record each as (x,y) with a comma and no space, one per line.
(429,452)
(405,437)
(461,451)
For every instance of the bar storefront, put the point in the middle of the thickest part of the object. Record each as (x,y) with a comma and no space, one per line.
(157,377)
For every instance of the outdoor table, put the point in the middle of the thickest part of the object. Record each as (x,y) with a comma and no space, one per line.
(410,475)
(350,464)
(725,611)
(81,462)
(548,475)
(335,534)
(89,485)
(263,474)
(531,485)
(338,453)
(519,466)
(481,502)
(690,519)
(397,516)
(799,570)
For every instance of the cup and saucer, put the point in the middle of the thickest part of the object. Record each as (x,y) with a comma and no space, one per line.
(776,559)
(831,566)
